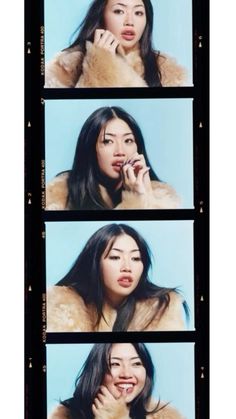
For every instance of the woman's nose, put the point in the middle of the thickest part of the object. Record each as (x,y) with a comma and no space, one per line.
(125,372)
(125,265)
(128,20)
(119,150)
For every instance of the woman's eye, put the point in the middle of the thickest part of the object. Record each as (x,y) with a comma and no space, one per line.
(130,140)
(136,259)
(114,364)
(111,257)
(137,364)
(139,13)
(119,11)
(106,141)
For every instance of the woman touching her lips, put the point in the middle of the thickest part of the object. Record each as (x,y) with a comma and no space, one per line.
(114,49)
(108,289)
(116,382)
(111,169)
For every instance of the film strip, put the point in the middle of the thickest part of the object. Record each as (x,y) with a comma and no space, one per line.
(176,120)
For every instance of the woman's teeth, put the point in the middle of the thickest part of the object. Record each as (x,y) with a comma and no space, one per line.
(125,386)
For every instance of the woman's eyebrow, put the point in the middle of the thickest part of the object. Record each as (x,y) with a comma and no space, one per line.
(120,359)
(125,5)
(114,135)
(122,251)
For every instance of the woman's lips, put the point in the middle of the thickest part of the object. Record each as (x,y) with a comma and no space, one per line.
(128,35)
(125,281)
(117,165)
(125,386)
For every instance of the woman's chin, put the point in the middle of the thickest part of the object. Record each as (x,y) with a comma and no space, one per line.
(128,46)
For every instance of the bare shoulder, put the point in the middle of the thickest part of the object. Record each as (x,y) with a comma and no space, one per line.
(172,74)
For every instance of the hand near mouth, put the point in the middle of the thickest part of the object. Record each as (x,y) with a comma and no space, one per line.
(106,40)
(109,406)
(135,175)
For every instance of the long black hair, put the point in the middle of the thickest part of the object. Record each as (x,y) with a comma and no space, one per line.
(85,176)
(85,276)
(94,20)
(92,375)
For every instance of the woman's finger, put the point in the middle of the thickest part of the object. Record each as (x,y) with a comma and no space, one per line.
(101,397)
(129,176)
(106,40)
(114,45)
(142,173)
(105,392)
(98,34)
(137,158)
(97,403)
(94,409)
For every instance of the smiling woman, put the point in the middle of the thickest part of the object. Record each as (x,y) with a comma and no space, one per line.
(116,382)
(108,289)
(114,49)
(111,169)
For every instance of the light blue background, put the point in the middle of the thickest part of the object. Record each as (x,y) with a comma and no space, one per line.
(172,32)
(174,365)
(171,244)
(166,125)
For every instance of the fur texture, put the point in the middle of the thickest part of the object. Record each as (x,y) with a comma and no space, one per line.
(168,412)
(67,312)
(163,196)
(100,68)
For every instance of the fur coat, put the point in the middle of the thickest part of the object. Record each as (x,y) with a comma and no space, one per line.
(99,68)
(163,196)
(67,312)
(168,412)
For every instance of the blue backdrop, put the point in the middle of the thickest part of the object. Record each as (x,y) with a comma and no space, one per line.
(172,32)
(171,244)
(174,365)
(166,125)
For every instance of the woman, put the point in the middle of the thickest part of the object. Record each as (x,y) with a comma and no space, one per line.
(108,289)
(114,49)
(116,382)
(110,169)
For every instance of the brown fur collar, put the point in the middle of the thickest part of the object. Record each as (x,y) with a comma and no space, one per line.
(163,196)
(168,412)
(100,68)
(67,312)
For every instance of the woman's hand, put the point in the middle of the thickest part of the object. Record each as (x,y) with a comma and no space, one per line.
(109,406)
(106,40)
(135,175)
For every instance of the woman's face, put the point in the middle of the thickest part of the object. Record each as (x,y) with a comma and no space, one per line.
(115,144)
(127,373)
(126,19)
(121,269)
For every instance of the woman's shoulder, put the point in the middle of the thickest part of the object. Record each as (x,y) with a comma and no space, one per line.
(148,317)
(172,74)
(165,195)
(57,192)
(64,69)
(67,311)
(60,412)
(165,411)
